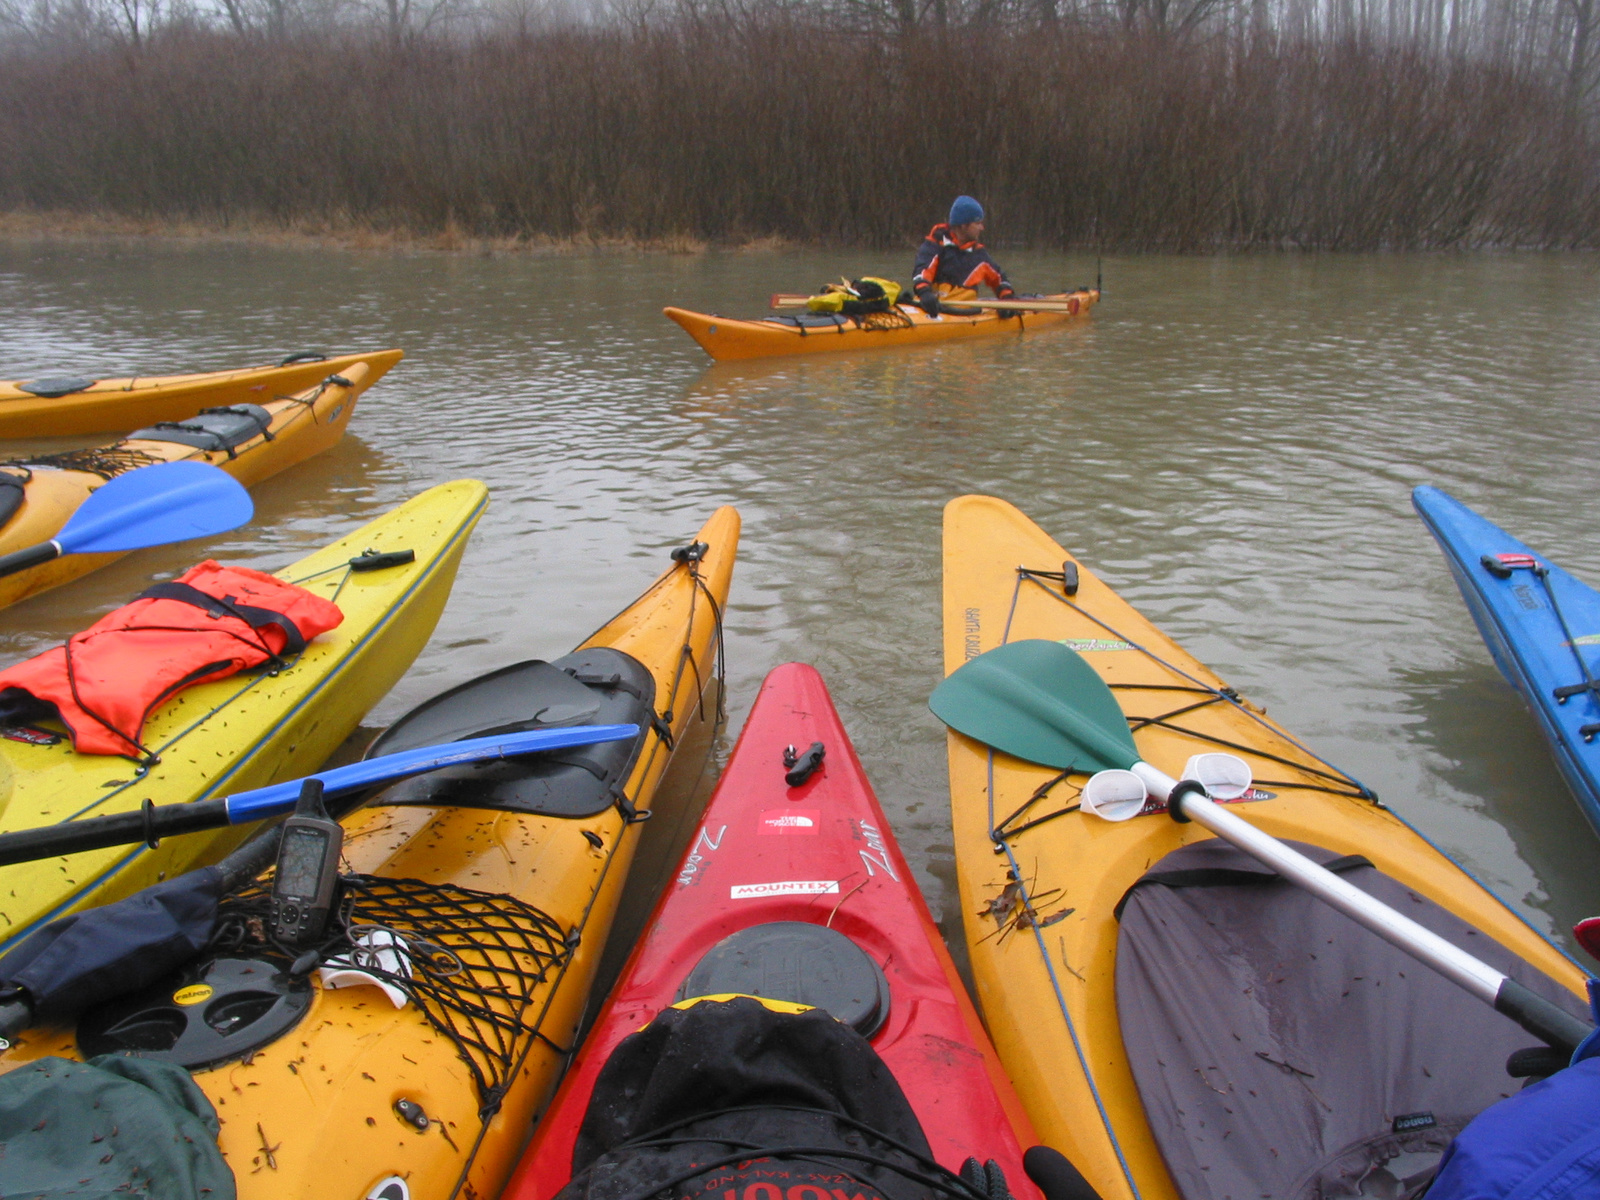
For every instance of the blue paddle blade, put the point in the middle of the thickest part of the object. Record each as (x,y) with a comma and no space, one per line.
(1038,701)
(154,505)
(280,797)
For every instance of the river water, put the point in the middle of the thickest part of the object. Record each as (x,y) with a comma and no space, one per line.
(1230,442)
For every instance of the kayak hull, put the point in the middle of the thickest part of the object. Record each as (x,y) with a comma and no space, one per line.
(729,340)
(1524,634)
(820,853)
(117,405)
(245,732)
(302,426)
(1046,984)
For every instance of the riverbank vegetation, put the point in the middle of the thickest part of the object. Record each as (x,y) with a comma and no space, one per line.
(1124,124)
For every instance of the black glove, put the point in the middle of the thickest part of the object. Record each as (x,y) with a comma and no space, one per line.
(1006,314)
(928,301)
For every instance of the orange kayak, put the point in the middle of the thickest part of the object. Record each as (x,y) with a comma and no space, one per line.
(726,339)
(62,406)
(287,430)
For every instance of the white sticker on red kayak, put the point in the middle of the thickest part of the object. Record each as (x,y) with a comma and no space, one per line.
(787,887)
(790,820)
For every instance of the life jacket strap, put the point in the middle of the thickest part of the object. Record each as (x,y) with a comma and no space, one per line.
(224,606)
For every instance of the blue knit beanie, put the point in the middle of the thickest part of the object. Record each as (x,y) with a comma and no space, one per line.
(965,211)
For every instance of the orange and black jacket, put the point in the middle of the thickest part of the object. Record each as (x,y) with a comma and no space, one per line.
(941,259)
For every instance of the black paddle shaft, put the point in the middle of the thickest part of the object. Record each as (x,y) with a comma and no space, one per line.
(29,556)
(148,825)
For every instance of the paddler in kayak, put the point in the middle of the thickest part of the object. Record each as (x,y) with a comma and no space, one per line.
(951,257)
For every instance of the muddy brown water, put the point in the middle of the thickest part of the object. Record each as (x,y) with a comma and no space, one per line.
(1230,442)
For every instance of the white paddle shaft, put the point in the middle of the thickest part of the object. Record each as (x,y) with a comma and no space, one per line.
(1399,930)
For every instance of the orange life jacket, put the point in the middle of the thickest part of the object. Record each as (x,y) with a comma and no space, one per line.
(209,623)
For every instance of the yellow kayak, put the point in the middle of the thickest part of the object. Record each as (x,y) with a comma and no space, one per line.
(1065,986)
(726,339)
(245,732)
(275,435)
(502,880)
(62,406)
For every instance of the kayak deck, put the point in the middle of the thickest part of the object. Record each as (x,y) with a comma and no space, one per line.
(819,853)
(1040,918)
(299,427)
(118,405)
(727,339)
(246,731)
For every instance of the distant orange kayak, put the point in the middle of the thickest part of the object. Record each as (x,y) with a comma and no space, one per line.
(726,339)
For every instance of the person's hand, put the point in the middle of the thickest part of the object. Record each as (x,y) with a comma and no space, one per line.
(928,301)
(1007,313)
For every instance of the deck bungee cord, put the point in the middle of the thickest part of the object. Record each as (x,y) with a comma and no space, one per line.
(1501,566)
(1213,695)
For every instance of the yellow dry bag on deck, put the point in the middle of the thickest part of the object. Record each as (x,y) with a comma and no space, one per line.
(858,297)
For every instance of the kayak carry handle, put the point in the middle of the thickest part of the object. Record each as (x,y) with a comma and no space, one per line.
(801,767)
(303,356)
(371,560)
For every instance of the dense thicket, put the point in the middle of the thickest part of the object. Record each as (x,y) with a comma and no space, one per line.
(811,126)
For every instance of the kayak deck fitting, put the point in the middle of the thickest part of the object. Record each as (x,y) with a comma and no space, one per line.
(726,339)
(1048,951)
(251,442)
(60,407)
(1542,627)
(235,734)
(502,878)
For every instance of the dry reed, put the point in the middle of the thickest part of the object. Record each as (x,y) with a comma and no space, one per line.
(726,131)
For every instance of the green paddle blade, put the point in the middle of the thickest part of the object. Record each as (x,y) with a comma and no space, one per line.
(1038,701)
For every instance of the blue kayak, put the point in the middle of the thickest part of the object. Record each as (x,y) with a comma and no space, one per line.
(1541,625)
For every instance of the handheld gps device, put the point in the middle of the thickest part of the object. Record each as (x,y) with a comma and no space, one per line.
(308,870)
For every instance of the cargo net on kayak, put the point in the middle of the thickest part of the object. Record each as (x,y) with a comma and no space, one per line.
(473,962)
(1316,773)
(104,461)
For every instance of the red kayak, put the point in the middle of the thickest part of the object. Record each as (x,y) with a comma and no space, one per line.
(799,893)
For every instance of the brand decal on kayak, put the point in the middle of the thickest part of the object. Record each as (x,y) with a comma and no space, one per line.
(704,846)
(1525,597)
(974,628)
(33,737)
(1251,796)
(876,856)
(787,887)
(1587,639)
(1083,645)
(789,820)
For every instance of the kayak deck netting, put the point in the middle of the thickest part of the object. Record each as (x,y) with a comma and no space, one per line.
(1030,863)
(477,959)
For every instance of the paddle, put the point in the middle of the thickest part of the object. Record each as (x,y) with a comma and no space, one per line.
(1040,306)
(1039,700)
(152,822)
(149,506)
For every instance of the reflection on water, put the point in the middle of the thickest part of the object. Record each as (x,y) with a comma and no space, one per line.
(1228,441)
